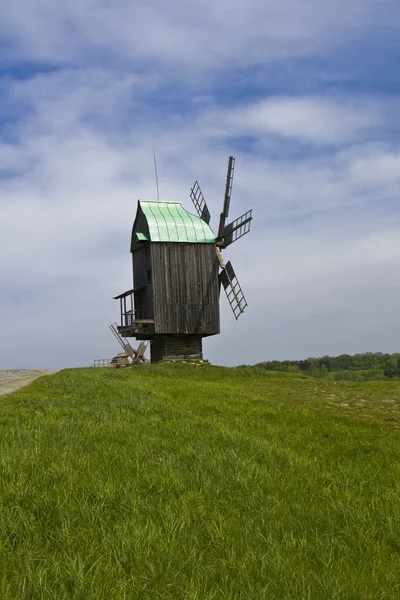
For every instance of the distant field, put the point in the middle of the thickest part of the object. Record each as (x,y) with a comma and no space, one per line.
(196,483)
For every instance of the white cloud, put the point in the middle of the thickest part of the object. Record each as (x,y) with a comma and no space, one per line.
(377,167)
(308,119)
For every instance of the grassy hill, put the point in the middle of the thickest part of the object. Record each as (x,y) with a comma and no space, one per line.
(196,483)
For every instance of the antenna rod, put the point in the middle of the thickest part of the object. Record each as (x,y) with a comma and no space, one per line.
(155,168)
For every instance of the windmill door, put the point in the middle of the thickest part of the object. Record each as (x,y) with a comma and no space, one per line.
(139,303)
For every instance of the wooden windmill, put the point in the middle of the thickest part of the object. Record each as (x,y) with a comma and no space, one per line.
(178,270)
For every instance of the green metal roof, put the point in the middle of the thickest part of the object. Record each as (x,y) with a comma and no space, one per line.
(170,222)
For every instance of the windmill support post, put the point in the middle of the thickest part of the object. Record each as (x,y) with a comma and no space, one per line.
(175,347)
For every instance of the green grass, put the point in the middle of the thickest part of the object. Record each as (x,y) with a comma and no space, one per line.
(196,483)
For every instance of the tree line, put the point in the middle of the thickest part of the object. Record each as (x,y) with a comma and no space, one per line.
(357,367)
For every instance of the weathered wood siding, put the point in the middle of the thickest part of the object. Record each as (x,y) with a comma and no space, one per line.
(139,226)
(185,288)
(175,347)
(141,263)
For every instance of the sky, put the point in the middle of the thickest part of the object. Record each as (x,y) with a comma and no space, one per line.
(304,94)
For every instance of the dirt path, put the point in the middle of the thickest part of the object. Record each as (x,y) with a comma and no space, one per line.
(15,379)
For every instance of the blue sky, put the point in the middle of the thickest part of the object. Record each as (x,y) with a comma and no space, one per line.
(305,95)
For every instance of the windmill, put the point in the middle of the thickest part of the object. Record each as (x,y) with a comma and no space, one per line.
(178,269)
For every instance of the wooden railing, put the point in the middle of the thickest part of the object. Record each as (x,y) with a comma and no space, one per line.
(128,313)
(101,362)
(131,315)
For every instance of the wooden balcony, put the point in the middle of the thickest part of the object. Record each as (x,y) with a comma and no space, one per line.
(132,323)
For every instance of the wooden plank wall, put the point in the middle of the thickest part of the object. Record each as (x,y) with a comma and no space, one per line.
(141,263)
(139,226)
(185,287)
(175,347)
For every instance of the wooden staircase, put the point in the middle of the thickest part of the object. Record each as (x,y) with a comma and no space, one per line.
(137,356)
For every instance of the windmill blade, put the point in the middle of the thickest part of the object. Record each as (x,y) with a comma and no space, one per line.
(227,197)
(233,290)
(237,229)
(200,203)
